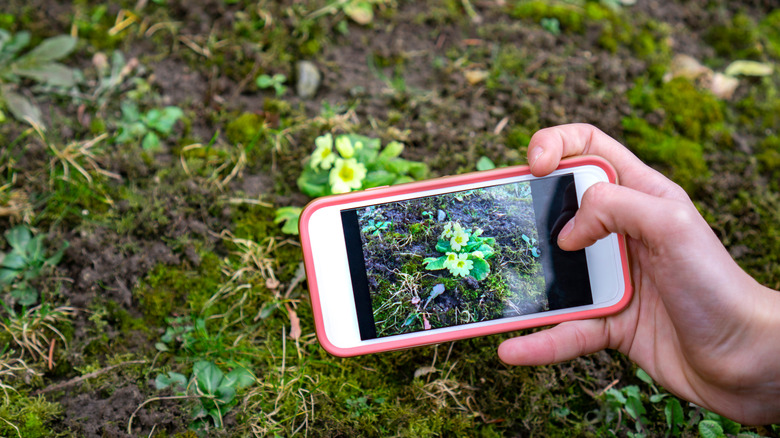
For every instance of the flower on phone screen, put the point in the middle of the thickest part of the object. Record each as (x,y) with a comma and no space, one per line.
(461,266)
(460,238)
(323,155)
(346,175)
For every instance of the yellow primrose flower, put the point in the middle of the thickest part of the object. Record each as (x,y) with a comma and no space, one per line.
(323,155)
(462,266)
(447,231)
(478,254)
(459,238)
(346,175)
(452,258)
(344,146)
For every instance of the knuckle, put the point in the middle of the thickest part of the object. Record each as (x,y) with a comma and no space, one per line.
(682,216)
(597,194)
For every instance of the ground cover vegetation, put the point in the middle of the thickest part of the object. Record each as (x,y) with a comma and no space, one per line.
(154,154)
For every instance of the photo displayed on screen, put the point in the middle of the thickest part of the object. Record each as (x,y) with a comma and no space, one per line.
(463,257)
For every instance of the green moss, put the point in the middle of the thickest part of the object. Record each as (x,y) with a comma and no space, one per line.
(245,128)
(33,416)
(680,157)
(168,288)
(738,39)
(768,155)
(770,29)
(571,18)
(689,112)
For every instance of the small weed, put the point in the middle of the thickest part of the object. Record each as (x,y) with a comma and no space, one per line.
(551,25)
(276,82)
(25,262)
(39,64)
(214,391)
(289,216)
(34,329)
(376,227)
(149,127)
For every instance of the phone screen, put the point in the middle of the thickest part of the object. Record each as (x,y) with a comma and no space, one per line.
(464,257)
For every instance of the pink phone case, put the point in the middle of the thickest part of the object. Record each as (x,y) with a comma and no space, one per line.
(439,183)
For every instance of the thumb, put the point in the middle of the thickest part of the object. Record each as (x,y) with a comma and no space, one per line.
(609,208)
(563,342)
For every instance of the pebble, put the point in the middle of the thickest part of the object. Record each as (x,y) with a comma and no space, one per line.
(441,216)
(309,79)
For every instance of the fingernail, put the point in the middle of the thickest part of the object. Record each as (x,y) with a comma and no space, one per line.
(538,152)
(566,230)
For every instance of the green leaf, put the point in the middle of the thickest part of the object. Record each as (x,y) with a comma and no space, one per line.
(55,259)
(7,276)
(151,142)
(392,150)
(13,44)
(22,108)
(378,178)
(314,183)
(50,73)
(674,413)
(131,132)
(635,408)
(163,381)
(480,270)
(14,261)
(434,263)
(486,250)
(418,170)
(443,246)
(643,376)
(209,376)
(130,112)
(165,119)
(655,398)
(267,310)
(264,81)
(51,49)
(710,429)
(730,427)
(290,217)
(485,163)
(360,12)
(225,394)
(398,166)
(25,294)
(403,179)
(410,320)
(239,378)
(34,249)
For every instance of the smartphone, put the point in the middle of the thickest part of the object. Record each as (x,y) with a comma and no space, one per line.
(457,257)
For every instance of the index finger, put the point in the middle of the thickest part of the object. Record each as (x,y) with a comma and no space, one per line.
(549,145)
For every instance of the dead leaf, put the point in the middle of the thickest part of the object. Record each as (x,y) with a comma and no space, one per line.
(424,371)
(749,68)
(475,76)
(361,12)
(686,67)
(295,323)
(723,86)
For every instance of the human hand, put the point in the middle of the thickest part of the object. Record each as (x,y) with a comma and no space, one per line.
(698,324)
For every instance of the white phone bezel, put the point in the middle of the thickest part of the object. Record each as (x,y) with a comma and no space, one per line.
(329,257)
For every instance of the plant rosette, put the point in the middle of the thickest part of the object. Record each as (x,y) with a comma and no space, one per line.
(349,162)
(465,252)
